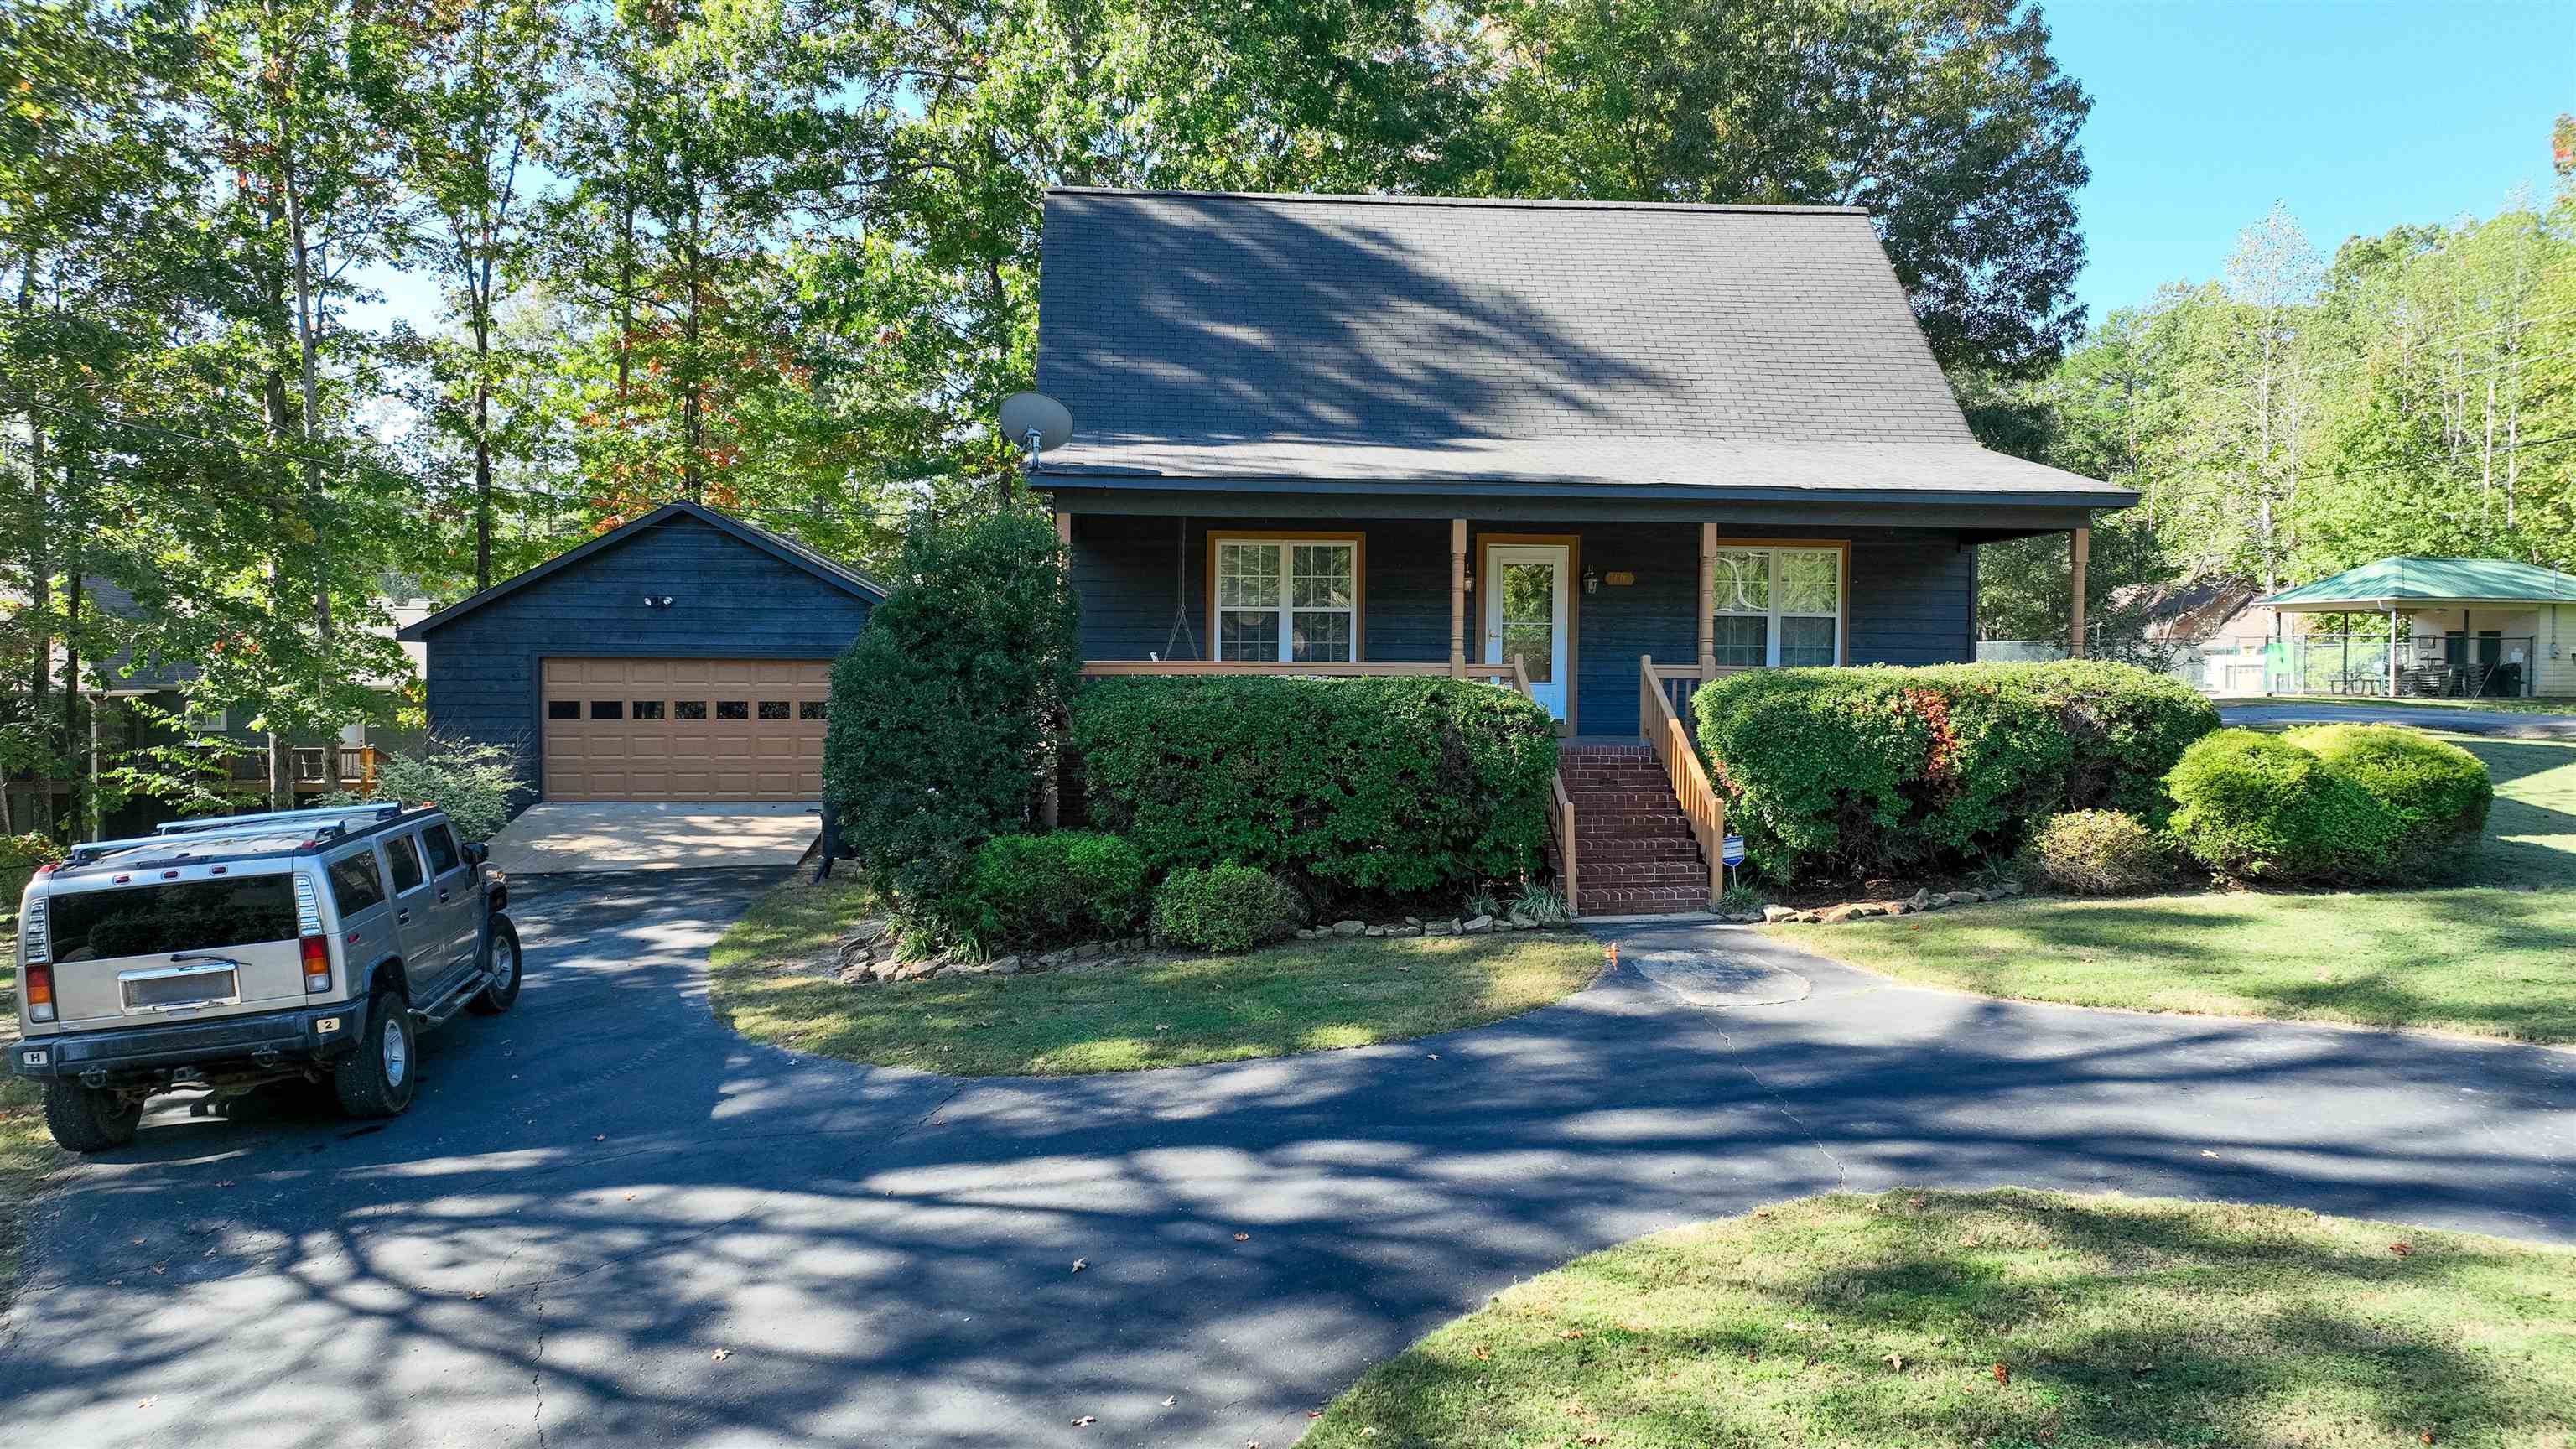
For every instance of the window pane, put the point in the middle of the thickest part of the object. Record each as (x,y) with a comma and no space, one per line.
(442,849)
(607,709)
(405,861)
(648,709)
(1247,574)
(733,709)
(1535,645)
(1323,576)
(1248,634)
(1743,581)
(355,885)
(1810,581)
(1321,637)
(563,709)
(811,708)
(689,709)
(1805,642)
(1742,639)
(773,709)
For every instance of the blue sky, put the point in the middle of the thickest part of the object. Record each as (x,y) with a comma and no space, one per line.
(2359,115)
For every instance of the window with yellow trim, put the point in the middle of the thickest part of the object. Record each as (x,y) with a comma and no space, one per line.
(1287,601)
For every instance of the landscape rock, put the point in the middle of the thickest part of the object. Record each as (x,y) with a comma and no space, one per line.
(1522,922)
(1777,914)
(1476,926)
(1850,911)
(2008,888)
(858,975)
(1376,931)
(1349,928)
(1921,900)
(1003,966)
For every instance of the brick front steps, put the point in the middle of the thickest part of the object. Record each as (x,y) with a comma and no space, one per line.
(1633,848)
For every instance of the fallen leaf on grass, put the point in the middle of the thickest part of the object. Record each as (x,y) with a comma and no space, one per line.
(1483,1354)
(1571,1333)
(2002,1375)
(2401,1249)
(1896,1363)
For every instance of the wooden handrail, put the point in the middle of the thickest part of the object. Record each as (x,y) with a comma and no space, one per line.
(1560,804)
(1699,799)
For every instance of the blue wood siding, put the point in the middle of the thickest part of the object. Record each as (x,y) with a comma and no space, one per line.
(730,600)
(1911,600)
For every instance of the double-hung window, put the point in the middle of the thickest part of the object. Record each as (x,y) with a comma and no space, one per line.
(1778,606)
(1288,600)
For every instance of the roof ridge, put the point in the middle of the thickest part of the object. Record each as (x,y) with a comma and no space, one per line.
(1754,208)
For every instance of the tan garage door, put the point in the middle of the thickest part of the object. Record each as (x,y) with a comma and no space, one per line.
(685,729)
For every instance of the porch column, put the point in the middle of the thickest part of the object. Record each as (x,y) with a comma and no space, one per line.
(2392,651)
(1051,801)
(1707,602)
(2082,542)
(1457,598)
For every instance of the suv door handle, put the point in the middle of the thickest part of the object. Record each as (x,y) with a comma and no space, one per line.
(442,898)
(402,918)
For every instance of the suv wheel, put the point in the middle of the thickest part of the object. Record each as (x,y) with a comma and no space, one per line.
(90,1119)
(375,1080)
(502,966)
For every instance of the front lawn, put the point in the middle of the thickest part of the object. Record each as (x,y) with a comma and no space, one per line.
(769,980)
(2545,704)
(2494,954)
(2008,1320)
(27,1153)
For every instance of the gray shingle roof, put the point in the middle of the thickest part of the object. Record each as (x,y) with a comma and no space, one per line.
(1222,335)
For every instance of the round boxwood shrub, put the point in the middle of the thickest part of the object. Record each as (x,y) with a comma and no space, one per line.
(2258,806)
(2437,792)
(2097,852)
(1226,908)
(1044,890)
(1846,773)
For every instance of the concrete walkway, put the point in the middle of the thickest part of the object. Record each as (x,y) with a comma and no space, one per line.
(597,1193)
(2500,723)
(552,838)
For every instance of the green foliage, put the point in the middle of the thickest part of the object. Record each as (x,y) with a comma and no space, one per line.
(1840,773)
(471,782)
(2437,792)
(2098,852)
(1047,890)
(1541,903)
(1349,785)
(1226,907)
(2260,807)
(19,857)
(941,711)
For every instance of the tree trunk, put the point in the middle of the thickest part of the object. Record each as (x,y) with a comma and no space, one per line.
(71,665)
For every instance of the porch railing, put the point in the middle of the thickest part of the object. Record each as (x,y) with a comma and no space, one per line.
(1663,730)
(332,767)
(1371,669)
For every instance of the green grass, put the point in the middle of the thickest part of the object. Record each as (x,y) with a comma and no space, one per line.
(2478,956)
(1158,1011)
(2001,1320)
(26,1152)
(2558,704)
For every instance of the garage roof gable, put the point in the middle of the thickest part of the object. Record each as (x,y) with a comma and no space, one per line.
(785,549)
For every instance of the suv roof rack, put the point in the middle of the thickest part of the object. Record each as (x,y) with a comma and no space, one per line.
(226,824)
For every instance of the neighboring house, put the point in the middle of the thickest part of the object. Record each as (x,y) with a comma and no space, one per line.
(1360,434)
(2477,627)
(683,656)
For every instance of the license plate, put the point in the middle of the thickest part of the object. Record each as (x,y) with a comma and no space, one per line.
(162,990)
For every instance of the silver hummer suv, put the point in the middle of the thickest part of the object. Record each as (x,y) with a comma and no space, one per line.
(227,954)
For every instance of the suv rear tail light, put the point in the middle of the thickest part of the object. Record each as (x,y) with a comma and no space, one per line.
(39,984)
(317,963)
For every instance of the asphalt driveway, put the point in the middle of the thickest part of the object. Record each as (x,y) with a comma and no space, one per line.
(599,1192)
(2465,720)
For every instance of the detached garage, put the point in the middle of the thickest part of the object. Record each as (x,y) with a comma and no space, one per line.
(683,656)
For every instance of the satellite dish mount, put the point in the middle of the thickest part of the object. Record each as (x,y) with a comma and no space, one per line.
(1037,422)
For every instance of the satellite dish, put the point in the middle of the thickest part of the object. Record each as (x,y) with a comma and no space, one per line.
(1036,421)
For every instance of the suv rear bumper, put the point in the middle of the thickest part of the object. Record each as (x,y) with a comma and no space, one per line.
(266,1038)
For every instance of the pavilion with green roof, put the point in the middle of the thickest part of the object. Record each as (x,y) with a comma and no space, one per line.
(2463,625)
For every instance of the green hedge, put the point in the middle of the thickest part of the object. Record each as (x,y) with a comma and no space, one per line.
(1389,786)
(1840,773)
(1047,890)
(1226,908)
(2257,806)
(2097,852)
(2328,803)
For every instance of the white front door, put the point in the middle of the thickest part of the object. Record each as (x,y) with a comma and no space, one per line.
(1525,615)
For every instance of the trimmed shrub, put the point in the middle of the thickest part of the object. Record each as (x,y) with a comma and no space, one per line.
(2258,806)
(1226,908)
(2437,792)
(471,782)
(1044,890)
(941,710)
(1352,785)
(2097,852)
(1844,773)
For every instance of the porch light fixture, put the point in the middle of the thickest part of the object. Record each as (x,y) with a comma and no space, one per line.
(1591,579)
(657,601)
